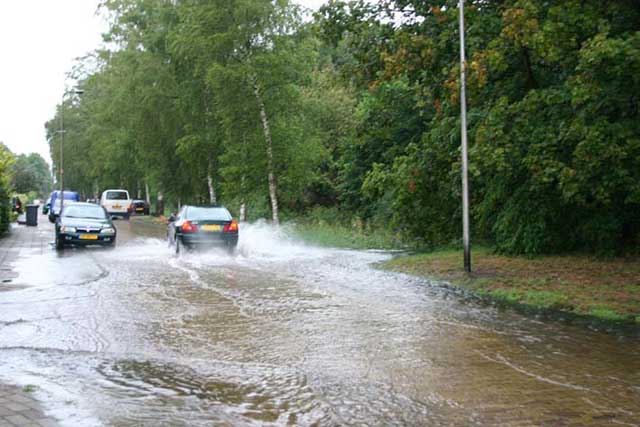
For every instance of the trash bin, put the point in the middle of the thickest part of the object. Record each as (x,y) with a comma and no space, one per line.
(32,215)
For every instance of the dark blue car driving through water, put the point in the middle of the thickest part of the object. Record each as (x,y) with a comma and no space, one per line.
(203,227)
(84,224)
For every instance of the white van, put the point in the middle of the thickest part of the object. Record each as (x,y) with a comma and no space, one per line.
(116,202)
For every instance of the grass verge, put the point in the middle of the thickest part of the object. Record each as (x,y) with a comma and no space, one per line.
(338,236)
(605,290)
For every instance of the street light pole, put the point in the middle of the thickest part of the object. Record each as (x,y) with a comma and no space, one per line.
(463,124)
(61,154)
(76,92)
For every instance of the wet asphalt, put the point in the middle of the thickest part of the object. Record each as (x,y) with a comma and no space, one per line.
(284,333)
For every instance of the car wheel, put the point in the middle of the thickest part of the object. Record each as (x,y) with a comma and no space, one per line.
(59,242)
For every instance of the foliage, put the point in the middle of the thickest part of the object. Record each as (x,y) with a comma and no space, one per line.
(553,120)
(31,173)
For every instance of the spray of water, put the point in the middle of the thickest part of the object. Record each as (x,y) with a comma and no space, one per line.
(259,242)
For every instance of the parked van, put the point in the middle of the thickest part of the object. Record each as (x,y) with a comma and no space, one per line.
(116,202)
(54,208)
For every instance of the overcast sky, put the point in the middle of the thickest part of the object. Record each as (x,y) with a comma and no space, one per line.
(39,40)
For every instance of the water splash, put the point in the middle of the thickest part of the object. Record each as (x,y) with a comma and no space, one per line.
(262,240)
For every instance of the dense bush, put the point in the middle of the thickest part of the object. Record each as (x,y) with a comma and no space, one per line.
(553,120)
(6,161)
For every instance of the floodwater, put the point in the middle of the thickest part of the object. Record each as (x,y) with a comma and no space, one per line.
(288,334)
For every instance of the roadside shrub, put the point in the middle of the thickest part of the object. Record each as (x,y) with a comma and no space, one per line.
(5,208)
(6,160)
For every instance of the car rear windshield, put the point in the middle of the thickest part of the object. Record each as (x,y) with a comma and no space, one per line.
(84,211)
(117,195)
(203,214)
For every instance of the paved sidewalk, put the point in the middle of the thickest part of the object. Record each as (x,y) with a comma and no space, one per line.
(22,238)
(19,407)
(9,251)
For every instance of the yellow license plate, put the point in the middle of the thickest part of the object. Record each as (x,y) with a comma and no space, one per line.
(116,206)
(139,209)
(88,237)
(211,227)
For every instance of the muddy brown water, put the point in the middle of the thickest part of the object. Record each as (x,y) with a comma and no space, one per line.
(287,334)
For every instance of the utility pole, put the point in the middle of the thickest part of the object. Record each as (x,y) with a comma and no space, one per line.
(61,155)
(75,92)
(465,166)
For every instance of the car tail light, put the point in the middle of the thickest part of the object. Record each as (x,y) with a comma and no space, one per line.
(231,227)
(187,227)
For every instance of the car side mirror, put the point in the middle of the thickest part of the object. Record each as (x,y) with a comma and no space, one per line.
(172,217)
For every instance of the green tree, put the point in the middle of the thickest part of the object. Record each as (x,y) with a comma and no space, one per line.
(255,57)
(31,173)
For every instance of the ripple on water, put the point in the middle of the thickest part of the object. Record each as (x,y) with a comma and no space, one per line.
(212,391)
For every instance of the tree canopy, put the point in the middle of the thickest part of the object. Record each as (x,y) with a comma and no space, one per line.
(31,173)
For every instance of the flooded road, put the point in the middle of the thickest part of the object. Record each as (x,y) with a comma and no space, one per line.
(287,334)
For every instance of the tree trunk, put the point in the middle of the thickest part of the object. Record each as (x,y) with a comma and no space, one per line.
(243,204)
(146,192)
(273,185)
(212,191)
(243,212)
(160,204)
(531,80)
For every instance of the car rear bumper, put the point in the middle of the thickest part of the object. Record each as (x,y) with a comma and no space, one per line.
(119,213)
(214,240)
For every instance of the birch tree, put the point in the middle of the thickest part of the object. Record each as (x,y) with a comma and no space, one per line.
(248,43)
